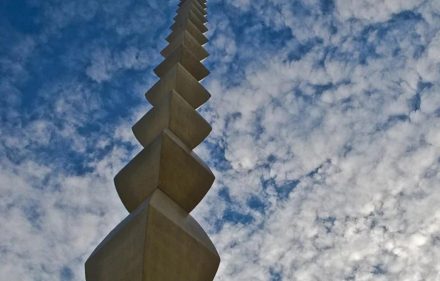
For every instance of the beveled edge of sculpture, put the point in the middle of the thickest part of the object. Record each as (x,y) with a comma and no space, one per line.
(96,265)
(202,4)
(183,22)
(191,28)
(149,170)
(183,19)
(186,59)
(179,74)
(196,230)
(189,42)
(174,113)
(179,79)
(205,238)
(194,8)
(186,13)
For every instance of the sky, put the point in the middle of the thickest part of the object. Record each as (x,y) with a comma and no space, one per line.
(325,141)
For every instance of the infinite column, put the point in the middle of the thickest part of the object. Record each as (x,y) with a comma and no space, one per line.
(159,240)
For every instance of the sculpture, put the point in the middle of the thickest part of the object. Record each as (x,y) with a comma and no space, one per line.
(159,240)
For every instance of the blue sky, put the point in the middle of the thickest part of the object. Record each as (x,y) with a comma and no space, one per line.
(325,142)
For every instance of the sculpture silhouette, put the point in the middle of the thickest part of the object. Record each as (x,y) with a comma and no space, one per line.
(159,240)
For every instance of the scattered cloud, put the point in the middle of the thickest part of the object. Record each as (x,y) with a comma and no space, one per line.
(325,142)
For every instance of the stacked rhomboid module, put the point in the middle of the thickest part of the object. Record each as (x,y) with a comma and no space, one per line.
(159,240)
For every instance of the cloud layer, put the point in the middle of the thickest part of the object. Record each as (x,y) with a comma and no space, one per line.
(325,143)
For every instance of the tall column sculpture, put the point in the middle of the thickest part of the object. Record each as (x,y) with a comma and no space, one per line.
(159,240)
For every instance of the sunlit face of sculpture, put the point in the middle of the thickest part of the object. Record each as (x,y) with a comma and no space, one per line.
(159,240)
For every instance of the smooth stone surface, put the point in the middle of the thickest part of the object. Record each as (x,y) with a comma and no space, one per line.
(195,8)
(188,18)
(201,3)
(190,15)
(193,4)
(165,164)
(180,80)
(188,10)
(187,40)
(191,28)
(157,242)
(181,55)
(175,114)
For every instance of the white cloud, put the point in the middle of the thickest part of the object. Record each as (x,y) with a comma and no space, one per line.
(105,63)
(367,162)
(333,144)
(52,219)
(373,10)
